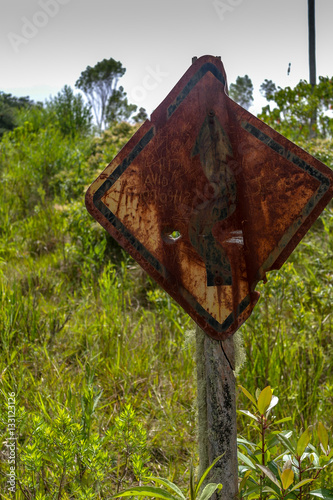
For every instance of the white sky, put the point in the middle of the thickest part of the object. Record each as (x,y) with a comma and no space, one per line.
(254,37)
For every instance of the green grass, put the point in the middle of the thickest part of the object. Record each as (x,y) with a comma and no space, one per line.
(288,340)
(90,344)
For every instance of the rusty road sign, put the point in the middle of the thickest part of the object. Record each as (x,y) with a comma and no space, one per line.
(207,198)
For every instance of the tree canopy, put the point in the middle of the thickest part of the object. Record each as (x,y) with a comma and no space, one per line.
(108,101)
(9,105)
(295,107)
(119,109)
(99,83)
(268,89)
(71,112)
(299,113)
(242,91)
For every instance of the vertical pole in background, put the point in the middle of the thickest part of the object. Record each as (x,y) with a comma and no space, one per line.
(312,58)
(312,41)
(217,411)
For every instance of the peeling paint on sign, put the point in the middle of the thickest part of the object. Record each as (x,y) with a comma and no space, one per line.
(208,199)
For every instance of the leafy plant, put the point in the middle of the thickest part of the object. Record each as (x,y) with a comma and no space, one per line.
(197,491)
(63,454)
(72,114)
(242,91)
(129,438)
(277,465)
(70,299)
(9,110)
(296,106)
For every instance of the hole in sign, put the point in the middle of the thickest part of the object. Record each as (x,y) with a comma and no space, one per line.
(171,235)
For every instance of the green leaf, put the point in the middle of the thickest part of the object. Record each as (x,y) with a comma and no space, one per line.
(248,395)
(167,483)
(273,402)
(286,419)
(267,489)
(328,463)
(322,493)
(287,478)
(244,480)
(250,490)
(208,490)
(192,485)
(246,460)
(323,436)
(287,443)
(273,467)
(287,465)
(241,441)
(264,399)
(325,460)
(270,475)
(249,414)
(148,491)
(204,475)
(302,483)
(302,443)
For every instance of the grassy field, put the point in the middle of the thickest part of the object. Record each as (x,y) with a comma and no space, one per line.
(100,360)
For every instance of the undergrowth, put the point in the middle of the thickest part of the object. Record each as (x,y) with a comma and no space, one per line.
(100,359)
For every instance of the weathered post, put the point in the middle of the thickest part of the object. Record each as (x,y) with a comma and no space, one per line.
(217,410)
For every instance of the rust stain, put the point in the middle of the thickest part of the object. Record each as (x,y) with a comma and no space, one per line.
(208,199)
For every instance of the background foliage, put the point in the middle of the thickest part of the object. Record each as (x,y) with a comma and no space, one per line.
(100,358)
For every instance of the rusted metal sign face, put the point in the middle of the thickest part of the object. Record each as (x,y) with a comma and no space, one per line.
(207,198)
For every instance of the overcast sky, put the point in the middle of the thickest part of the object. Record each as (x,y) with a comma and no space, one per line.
(45,44)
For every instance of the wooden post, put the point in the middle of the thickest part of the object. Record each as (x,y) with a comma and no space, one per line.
(217,411)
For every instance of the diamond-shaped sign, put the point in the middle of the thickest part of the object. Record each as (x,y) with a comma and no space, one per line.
(207,198)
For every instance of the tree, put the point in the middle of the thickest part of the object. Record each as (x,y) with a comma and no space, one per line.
(268,89)
(7,116)
(295,107)
(119,109)
(9,106)
(242,91)
(99,83)
(141,116)
(72,114)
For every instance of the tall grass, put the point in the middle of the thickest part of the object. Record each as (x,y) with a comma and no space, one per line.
(88,341)
(288,340)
